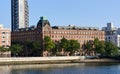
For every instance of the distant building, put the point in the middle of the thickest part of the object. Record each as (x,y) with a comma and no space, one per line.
(82,34)
(112,34)
(5,37)
(110,27)
(19,14)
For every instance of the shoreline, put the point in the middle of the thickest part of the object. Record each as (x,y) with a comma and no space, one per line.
(52,60)
(104,60)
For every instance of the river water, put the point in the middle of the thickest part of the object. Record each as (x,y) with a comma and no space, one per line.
(71,68)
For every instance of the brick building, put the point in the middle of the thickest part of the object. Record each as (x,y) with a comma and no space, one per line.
(82,34)
(5,37)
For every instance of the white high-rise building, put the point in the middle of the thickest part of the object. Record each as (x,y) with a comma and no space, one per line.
(112,34)
(19,14)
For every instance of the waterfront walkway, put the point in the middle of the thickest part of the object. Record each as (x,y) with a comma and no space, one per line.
(39,60)
(50,60)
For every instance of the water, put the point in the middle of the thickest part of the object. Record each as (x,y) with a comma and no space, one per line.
(81,68)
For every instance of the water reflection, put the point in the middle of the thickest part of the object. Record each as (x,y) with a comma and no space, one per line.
(20,69)
(5,70)
(71,68)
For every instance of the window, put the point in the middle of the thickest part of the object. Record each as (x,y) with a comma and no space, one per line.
(3,32)
(3,36)
(3,41)
(7,45)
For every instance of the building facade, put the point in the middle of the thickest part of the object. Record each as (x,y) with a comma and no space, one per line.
(112,34)
(82,34)
(5,37)
(19,14)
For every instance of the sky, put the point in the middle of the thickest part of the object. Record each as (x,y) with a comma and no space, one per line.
(86,13)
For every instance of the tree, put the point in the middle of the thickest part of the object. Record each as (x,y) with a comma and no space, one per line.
(96,42)
(74,45)
(64,43)
(89,46)
(29,48)
(56,48)
(16,49)
(2,50)
(99,46)
(36,48)
(48,43)
(105,48)
(111,50)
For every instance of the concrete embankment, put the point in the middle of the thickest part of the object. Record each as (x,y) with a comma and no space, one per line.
(98,61)
(40,60)
(52,60)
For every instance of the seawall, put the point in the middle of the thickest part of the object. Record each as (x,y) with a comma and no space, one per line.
(40,60)
(53,60)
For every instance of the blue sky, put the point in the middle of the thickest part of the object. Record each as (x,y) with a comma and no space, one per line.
(64,12)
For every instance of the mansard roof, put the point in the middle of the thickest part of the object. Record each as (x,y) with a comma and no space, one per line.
(75,27)
(42,22)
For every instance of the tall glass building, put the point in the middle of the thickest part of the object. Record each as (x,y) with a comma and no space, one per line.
(19,14)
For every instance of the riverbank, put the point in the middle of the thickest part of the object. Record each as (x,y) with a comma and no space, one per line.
(53,60)
(105,60)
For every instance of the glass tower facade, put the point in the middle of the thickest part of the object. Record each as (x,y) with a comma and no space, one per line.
(19,14)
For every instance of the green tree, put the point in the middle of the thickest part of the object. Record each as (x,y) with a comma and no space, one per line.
(89,46)
(74,45)
(111,50)
(32,48)
(64,43)
(105,48)
(2,50)
(16,49)
(99,46)
(96,42)
(29,48)
(48,43)
(36,48)
(56,48)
